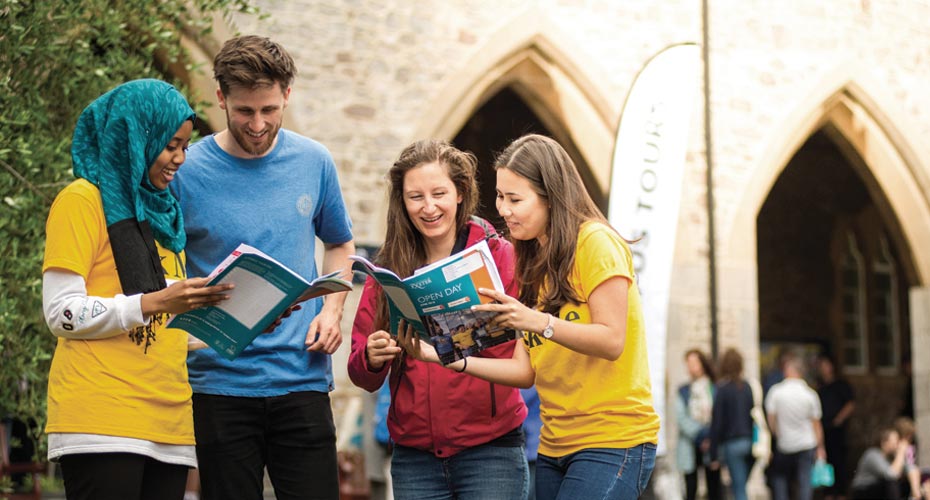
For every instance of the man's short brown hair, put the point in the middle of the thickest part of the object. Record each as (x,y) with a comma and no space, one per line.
(252,61)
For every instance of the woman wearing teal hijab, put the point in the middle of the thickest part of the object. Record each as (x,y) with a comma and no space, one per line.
(119,403)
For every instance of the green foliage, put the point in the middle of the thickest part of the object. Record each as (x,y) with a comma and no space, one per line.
(55,58)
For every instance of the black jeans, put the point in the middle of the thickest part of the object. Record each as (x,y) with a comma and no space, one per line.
(121,476)
(834,439)
(712,478)
(292,435)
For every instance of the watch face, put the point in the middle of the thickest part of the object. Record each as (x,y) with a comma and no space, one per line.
(547,331)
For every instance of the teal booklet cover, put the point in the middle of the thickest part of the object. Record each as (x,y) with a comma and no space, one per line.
(437,301)
(264,290)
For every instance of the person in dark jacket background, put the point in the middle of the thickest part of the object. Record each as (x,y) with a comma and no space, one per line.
(731,423)
(837,403)
(455,436)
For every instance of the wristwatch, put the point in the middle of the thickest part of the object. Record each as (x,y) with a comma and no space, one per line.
(547,331)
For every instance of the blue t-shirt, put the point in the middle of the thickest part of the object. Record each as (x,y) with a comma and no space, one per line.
(280,204)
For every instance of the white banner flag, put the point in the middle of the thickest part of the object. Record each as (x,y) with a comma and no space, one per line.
(645,187)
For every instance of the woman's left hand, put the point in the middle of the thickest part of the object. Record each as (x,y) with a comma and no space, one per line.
(409,340)
(512,313)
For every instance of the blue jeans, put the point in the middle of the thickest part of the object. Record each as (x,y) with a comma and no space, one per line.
(795,466)
(596,474)
(737,455)
(292,435)
(483,472)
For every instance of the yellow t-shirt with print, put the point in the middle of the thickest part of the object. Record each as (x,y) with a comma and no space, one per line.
(588,402)
(129,385)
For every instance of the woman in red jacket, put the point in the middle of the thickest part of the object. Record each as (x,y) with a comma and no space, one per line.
(454,436)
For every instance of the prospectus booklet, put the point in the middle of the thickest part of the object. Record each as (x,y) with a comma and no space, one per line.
(265,288)
(437,301)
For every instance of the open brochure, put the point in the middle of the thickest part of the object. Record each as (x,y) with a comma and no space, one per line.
(265,288)
(437,301)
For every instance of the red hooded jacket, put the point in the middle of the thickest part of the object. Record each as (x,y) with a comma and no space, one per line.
(434,408)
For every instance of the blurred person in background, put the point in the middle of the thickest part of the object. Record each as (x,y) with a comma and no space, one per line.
(731,423)
(694,408)
(837,402)
(793,412)
(880,468)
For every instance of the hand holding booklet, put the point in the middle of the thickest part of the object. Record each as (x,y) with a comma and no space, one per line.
(265,289)
(437,301)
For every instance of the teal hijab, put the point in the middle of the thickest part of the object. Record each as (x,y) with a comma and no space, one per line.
(116,140)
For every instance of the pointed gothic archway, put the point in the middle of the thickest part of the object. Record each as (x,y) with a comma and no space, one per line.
(833,278)
(867,226)
(845,110)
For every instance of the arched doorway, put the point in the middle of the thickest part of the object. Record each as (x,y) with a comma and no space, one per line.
(833,278)
(497,122)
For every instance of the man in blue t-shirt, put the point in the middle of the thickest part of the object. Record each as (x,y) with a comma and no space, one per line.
(276,190)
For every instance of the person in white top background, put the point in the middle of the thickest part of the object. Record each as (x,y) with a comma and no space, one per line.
(793,410)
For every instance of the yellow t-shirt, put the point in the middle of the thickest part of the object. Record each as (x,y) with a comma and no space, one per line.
(130,385)
(588,402)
